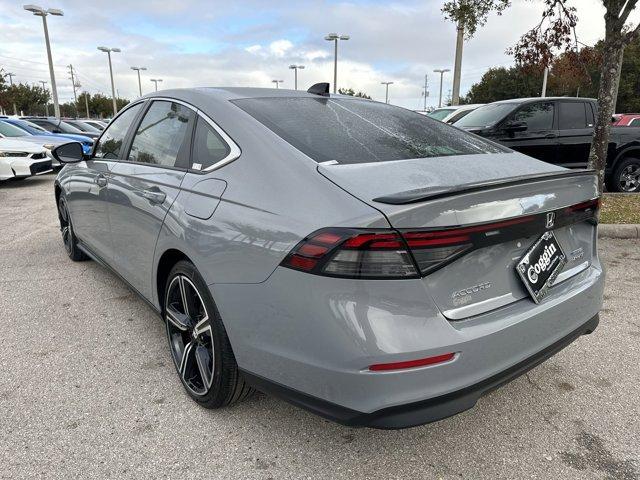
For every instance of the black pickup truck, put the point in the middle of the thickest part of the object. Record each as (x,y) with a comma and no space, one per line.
(559,131)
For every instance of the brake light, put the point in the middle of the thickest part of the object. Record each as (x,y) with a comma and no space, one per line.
(392,254)
(584,206)
(353,253)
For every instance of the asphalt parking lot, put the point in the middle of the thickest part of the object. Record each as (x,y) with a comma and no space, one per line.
(88,389)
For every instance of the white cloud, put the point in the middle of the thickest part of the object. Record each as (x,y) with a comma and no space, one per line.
(279,48)
(251,42)
(254,48)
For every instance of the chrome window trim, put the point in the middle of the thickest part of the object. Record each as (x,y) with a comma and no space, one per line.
(234,149)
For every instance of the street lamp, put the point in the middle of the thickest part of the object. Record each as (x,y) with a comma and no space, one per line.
(41,12)
(334,37)
(295,69)
(386,96)
(137,69)
(155,81)
(113,87)
(441,72)
(46,102)
(277,82)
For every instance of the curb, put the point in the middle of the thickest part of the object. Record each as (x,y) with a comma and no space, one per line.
(630,231)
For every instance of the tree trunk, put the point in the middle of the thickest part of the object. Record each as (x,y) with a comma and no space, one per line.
(611,64)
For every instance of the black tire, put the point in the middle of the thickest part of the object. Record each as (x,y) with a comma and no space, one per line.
(209,373)
(626,176)
(68,235)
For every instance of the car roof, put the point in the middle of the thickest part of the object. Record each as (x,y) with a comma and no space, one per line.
(537,99)
(223,94)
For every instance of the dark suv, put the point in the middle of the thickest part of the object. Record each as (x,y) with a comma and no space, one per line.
(558,131)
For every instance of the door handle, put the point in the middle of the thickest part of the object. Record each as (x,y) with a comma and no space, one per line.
(154,196)
(101,180)
(551,135)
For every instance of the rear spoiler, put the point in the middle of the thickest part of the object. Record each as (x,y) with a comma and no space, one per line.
(431,193)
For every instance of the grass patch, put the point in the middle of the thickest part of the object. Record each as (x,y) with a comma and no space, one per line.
(620,208)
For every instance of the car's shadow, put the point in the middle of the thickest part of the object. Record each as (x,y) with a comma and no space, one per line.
(13,183)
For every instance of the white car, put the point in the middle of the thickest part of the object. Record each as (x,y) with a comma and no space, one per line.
(20,159)
(453,114)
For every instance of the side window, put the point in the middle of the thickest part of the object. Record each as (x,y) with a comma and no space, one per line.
(162,137)
(572,115)
(46,125)
(110,142)
(635,122)
(208,147)
(590,115)
(458,116)
(538,116)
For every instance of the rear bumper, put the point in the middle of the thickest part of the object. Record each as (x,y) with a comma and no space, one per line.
(319,335)
(426,411)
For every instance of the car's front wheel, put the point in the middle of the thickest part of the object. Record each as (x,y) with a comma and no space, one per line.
(198,341)
(68,235)
(626,177)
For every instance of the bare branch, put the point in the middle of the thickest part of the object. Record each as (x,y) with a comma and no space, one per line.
(626,10)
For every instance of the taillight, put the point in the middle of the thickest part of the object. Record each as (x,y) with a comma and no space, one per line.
(353,253)
(392,254)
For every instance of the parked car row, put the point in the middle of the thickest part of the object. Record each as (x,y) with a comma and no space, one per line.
(20,159)
(559,131)
(454,113)
(29,131)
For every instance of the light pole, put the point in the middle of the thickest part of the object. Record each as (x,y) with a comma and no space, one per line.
(386,95)
(46,102)
(155,82)
(137,69)
(441,71)
(41,12)
(295,69)
(544,82)
(277,82)
(334,37)
(11,75)
(113,87)
(426,91)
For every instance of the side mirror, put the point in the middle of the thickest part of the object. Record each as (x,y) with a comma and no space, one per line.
(56,130)
(68,153)
(512,127)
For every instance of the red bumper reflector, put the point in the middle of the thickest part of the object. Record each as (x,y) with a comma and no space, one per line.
(412,363)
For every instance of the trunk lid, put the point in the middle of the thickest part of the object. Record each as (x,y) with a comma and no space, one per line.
(441,193)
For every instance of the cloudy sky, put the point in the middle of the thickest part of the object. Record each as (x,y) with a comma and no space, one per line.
(249,43)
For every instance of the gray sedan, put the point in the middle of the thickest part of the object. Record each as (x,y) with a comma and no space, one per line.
(360,260)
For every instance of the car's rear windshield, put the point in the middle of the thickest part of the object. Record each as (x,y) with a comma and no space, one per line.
(360,131)
(441,113)
(486,115)
(8,130)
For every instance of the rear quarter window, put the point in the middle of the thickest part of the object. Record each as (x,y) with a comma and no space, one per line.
(359,131)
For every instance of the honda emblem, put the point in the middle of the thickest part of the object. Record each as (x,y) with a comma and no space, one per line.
(551,216)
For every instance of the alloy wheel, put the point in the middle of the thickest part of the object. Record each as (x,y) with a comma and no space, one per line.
(66,228)
(190,335)
(629,178)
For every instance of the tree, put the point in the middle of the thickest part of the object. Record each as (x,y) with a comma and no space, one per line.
(351,92)
(556,32)
(571,74)
(468,15)
(503,83)
(99,106)
(27,98)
